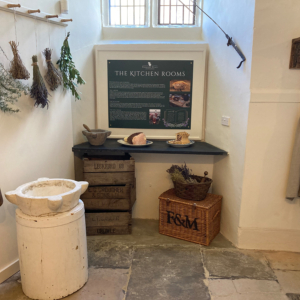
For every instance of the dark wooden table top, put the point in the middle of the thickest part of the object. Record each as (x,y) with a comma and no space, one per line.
(112,147)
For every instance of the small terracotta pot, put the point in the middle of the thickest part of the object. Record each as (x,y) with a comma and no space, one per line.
(96,137)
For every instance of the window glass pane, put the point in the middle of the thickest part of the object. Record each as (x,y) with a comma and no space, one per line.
(115,16)
(166,15)
(127,12)
(124,16)
(142,15)
(130,16)
(180,15)
(115,2)
(137,16)
(188,17)
(173,12)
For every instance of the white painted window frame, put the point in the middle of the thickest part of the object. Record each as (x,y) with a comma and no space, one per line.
(155,17)
(105,16)
(151,13)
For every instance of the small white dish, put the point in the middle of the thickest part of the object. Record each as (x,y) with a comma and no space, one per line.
(122,142)
(180,145)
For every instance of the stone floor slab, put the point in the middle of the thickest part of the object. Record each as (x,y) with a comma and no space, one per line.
(221,287)
(254,296)
(256,286)
(233,264)
(283,260)
(11,289)
(167,272)
(289,281)
(104,254)
(293,296)
(145,232)
(103,284)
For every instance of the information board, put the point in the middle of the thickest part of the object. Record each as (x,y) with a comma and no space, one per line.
(150,94)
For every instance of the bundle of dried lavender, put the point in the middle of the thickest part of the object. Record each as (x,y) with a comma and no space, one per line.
(38,89)
(53,76)
(17,69)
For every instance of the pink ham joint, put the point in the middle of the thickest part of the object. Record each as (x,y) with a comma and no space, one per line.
(139,139)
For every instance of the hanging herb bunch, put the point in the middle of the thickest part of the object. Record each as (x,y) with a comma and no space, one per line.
(69,72)
(17,69)
(53,76)
(10,90)
(38,89)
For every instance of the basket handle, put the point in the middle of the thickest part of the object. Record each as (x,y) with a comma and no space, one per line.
(216,214)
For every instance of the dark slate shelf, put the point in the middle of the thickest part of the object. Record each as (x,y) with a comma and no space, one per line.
(112,147)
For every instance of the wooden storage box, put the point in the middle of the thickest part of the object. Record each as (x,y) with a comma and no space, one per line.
(109,170)
(111,194)
(114,197)
(101,223)
(193,221)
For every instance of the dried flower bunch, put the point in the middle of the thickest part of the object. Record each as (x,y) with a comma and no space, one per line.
(10,90)
(181,174)
(38,89)
(53,76)
(17,69)
(68,70)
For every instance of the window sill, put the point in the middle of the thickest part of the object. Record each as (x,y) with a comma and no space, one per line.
(164,33)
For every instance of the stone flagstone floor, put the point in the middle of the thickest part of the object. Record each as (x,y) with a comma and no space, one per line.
(150,266)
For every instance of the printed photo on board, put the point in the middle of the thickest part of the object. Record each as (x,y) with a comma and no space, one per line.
(180,100)
(154,116)
(180,86)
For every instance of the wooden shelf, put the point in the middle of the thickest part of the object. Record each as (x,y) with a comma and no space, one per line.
(112,147)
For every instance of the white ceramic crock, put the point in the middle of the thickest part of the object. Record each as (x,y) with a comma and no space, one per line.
(47,196)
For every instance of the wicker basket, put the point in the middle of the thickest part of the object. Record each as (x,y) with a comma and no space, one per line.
(192,191)
(197,222)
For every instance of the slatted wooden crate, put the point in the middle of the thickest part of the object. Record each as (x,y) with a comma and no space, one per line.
(118,197)
(104,171)
(108,223)
(111,194)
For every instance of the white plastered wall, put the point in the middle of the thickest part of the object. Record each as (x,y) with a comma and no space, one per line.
(35,142)
(268,220)
(228,94)
(151,175)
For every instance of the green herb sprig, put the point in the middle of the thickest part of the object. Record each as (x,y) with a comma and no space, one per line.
(69,72)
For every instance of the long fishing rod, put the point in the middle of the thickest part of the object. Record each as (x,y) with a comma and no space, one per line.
(230,42)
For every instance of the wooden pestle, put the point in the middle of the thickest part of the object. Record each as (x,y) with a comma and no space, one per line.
(203,179)
(87,128)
